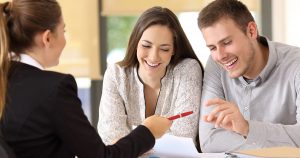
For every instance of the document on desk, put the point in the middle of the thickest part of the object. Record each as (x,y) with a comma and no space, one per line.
(173,146)
(274,152)
(170,146)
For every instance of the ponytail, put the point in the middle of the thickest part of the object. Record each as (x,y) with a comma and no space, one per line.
(20,21)
(4,53)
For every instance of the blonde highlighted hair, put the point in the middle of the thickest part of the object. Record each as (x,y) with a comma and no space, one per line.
(4,60)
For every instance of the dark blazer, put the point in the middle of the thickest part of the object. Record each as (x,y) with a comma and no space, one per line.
(5,150)
(43,119)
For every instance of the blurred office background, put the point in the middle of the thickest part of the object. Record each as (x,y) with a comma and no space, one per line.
(97,33)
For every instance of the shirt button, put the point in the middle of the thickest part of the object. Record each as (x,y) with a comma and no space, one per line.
(246,108)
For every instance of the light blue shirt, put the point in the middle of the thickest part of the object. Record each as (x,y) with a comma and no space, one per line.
(270,103)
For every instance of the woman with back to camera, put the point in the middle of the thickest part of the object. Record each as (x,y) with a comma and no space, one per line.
(160,75)
(42,116)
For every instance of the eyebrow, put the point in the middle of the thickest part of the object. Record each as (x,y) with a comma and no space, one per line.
(147,41)
(152,43)
(166,45)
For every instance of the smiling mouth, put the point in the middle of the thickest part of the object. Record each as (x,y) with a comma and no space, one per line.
(151,64)
(229,64)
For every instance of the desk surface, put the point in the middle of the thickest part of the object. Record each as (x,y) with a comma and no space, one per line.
(200,155)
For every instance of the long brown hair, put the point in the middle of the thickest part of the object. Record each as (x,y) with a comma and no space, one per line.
(165,17)
(4,63)
(20,21)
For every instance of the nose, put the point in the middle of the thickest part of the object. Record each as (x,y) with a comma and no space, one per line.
(153,55)
(220,54)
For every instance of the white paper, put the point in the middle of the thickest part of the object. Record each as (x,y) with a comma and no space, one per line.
(173,146)
(170,146)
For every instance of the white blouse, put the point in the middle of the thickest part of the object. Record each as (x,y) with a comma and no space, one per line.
(122,105)
(26,59)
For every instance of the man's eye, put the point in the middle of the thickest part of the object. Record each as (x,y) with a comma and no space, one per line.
(227,42)
(212,48)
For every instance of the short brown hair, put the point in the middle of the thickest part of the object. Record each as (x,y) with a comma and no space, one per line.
(219,9)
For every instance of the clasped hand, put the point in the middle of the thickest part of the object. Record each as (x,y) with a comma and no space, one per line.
(226,115)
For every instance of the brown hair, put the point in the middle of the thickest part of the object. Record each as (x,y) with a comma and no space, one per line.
(20,21)
(159,16)
(219,9)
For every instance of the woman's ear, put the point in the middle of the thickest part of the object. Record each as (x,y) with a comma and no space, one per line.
(46,37)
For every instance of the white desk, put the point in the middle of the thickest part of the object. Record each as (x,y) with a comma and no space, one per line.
(170,146)
(199,155)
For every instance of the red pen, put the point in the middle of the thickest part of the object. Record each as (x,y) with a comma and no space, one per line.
(180,115)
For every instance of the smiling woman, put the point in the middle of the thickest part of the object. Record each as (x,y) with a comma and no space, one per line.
(160,75)
(154,52)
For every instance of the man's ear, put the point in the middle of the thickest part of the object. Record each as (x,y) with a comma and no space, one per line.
(46,37)
(252,30)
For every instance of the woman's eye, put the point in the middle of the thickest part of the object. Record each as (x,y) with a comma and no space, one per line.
(146,46)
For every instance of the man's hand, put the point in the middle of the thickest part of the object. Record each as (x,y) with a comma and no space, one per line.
(226,115)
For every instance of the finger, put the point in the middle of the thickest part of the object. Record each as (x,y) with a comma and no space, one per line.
(227,122)
(204,118)
(215,112)
(221,116)
(235,115)
(214,101)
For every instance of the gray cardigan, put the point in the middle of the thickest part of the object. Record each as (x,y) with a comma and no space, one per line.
(122,105)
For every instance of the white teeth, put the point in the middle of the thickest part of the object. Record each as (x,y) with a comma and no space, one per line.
(150,64)
(231,62)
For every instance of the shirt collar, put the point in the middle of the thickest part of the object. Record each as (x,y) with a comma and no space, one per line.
(139,80)
(272,59)
(271,63)
(27,59)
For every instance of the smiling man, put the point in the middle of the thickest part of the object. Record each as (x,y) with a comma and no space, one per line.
(251,86)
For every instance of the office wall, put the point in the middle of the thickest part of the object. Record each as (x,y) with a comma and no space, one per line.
(133,7)
(81,54)
(285,15)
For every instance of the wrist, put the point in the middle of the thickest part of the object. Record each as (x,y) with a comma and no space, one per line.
(245,130)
